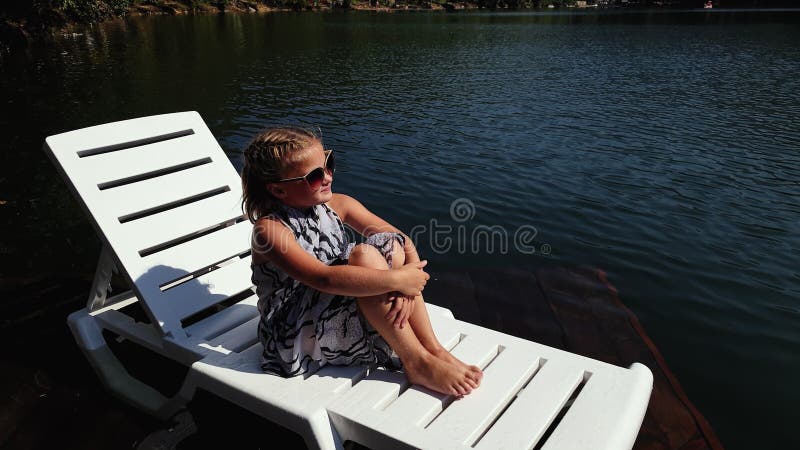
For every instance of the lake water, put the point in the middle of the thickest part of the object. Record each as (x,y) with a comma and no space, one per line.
(661,147)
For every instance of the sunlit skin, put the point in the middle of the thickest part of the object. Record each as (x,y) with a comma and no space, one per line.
(297,194)
(390,299)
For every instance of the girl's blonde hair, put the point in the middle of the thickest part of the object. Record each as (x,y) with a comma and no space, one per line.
(265,157)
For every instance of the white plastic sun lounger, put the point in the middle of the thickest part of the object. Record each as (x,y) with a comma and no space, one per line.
(165,202)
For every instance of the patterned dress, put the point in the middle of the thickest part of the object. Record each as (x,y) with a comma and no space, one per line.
(301,328)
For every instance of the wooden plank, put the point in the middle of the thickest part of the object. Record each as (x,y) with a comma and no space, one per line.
(581,329)
(582,287)
(555,279)
(24,390)
(676,421)
(667,421)
(500,291)
(454,291)
(600,327)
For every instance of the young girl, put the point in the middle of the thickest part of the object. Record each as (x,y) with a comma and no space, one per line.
(322,299)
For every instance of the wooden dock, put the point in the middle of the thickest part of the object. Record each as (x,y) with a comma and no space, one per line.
(51,397)
(577,310)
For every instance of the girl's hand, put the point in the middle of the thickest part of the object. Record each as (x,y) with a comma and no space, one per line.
(401,309)
(411,278)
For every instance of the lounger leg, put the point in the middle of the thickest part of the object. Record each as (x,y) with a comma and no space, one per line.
(113,374)
(321,434)
(102,280)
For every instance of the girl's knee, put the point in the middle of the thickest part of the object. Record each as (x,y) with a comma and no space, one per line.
(398,255)
(367,256)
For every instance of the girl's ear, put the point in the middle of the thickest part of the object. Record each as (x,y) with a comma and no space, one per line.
(276,191)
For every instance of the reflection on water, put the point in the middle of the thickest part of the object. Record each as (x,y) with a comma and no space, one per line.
(661,147)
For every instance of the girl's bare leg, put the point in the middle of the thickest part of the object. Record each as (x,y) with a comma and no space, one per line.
(420,365)
(421,324)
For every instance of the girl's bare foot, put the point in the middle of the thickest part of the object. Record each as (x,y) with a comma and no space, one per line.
(475,374)
(439,375)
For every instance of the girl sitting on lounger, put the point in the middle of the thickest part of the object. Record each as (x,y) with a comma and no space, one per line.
(322,299)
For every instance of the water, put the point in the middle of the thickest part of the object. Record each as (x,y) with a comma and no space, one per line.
(660,147)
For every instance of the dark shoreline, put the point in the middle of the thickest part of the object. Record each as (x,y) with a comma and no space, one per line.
(21,25)
(22,22)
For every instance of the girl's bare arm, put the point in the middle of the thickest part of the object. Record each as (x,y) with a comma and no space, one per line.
(363,221)
(276,243)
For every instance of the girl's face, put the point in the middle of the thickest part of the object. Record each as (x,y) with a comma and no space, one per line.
(298,193)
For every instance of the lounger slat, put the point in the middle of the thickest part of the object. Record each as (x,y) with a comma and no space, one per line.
(447,331)
(381,387)
(414,409)
(238,338)
(506,340)
(254,389)
(331,378)
(195,295)
(476,350)
(122,203)
(372,394)
(116,133)
(224,320)
(607,412)
(286,401)
(418,406)
(175,224)
(155,234)
(203,251)
(526,420)
(137,161)
(460,424)
(252,354)
(341,374)
(466,420)
(226,281)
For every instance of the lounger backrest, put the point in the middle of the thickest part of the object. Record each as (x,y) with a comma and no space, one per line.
(166,199)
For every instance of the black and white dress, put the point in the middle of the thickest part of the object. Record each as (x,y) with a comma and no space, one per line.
(301,328)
